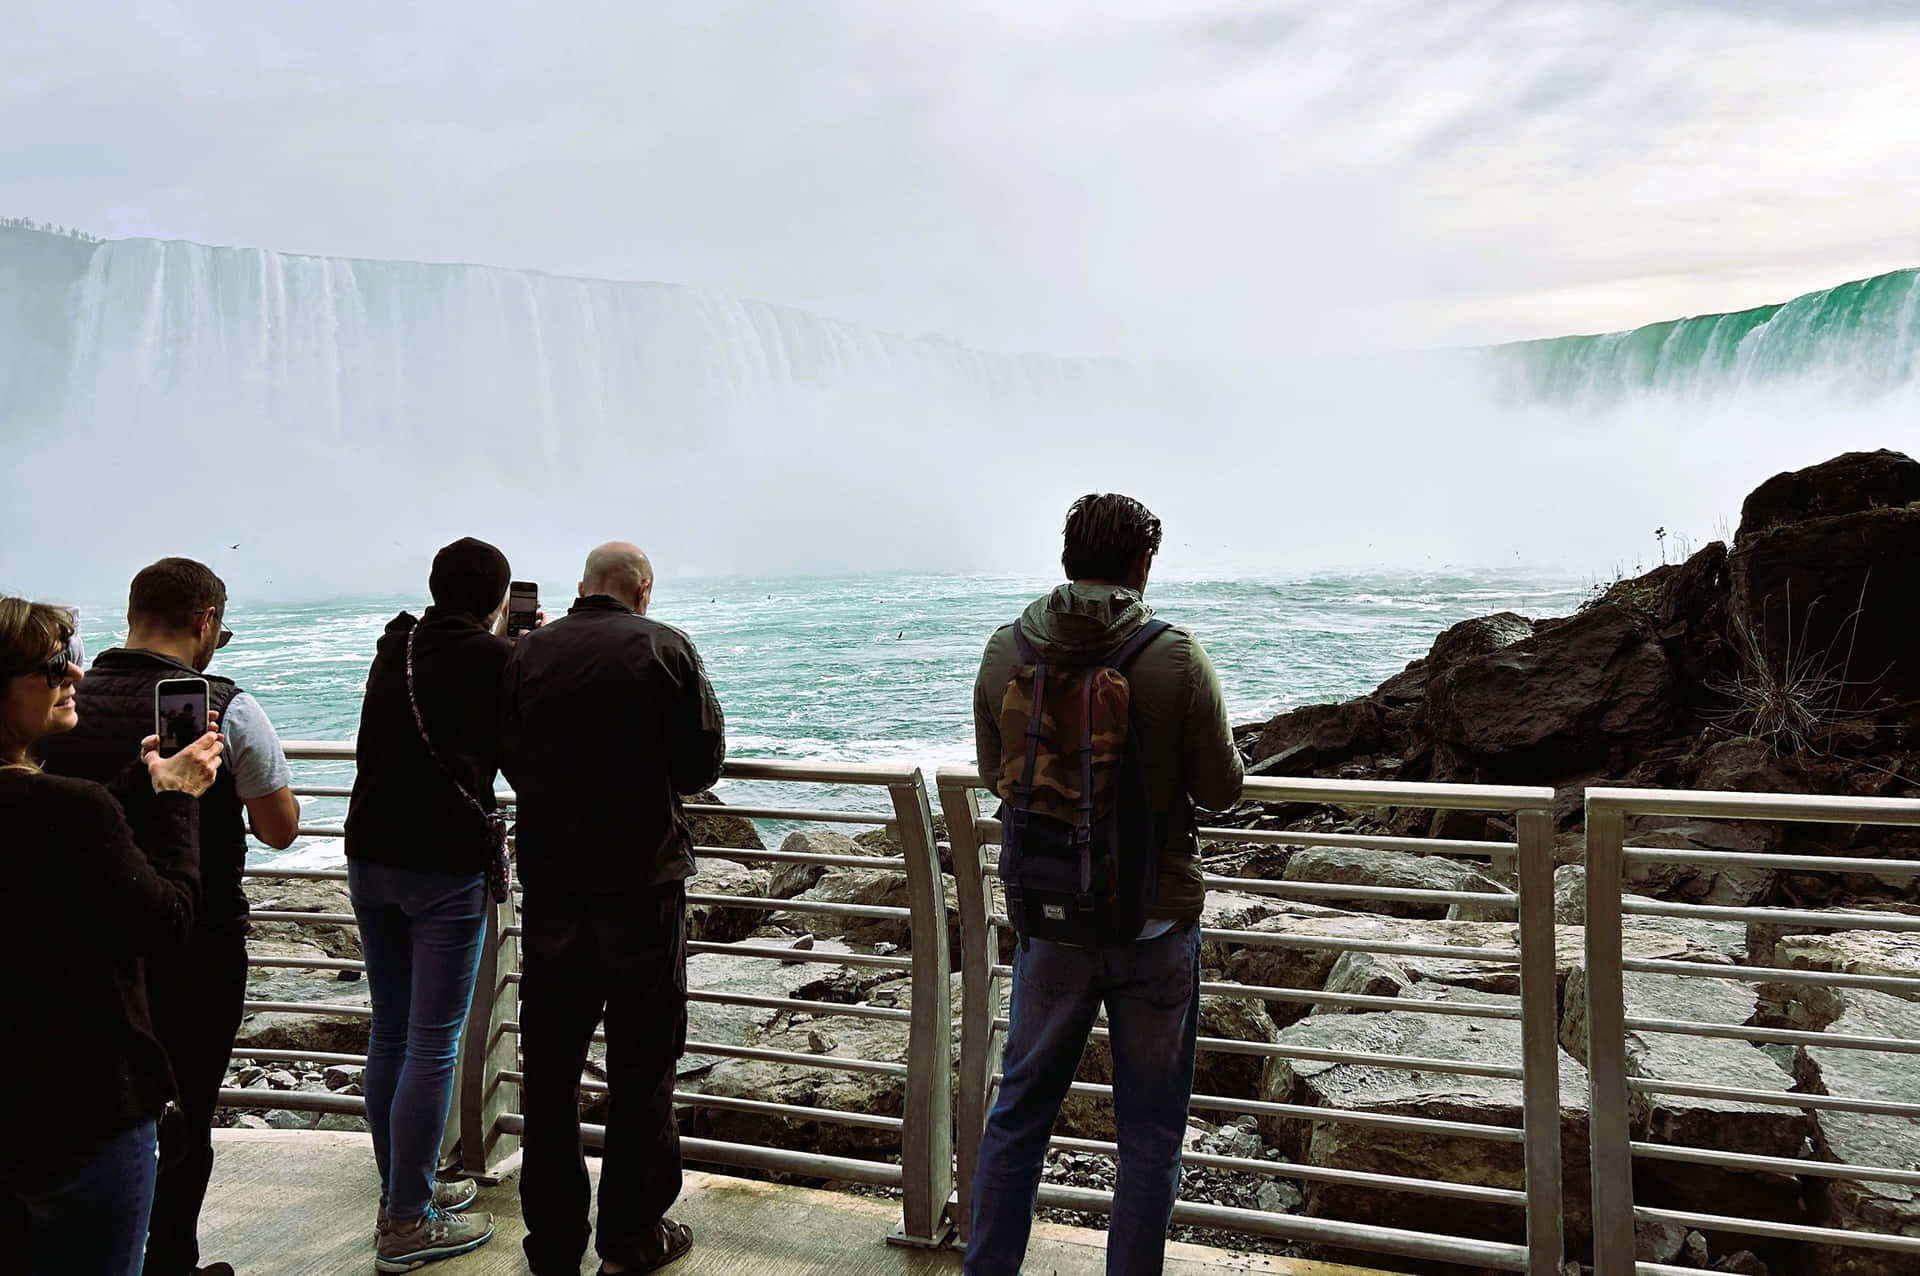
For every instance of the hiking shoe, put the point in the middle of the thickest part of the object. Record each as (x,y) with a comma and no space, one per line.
(435,1235)
(452,1195)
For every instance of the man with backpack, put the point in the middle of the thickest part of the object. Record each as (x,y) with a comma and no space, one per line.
(1101,729)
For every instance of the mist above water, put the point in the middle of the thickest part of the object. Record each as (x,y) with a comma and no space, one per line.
(316,426)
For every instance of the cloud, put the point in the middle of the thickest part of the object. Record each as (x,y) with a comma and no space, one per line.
(1147,177)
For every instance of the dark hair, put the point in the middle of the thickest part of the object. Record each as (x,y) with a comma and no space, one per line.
(470,576)
(1105,536)
(173,591)
(29,634)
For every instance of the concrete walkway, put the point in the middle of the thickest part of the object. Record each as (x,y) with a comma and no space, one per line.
(302,1204)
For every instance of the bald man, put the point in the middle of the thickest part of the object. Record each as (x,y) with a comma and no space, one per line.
(607,719)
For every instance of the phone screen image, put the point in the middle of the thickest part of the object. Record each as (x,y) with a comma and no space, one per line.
(523,608)
(180,712)
(76,649)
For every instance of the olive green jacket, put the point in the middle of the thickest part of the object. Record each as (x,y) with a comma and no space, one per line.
(1178,717)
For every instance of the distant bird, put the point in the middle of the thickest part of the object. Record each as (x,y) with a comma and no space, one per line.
(902,634)
(233,547)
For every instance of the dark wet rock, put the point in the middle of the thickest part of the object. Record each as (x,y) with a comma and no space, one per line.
(1318,735)
(789,880)
(1852,483)
(1702,881)
(1569,696)
(731,831)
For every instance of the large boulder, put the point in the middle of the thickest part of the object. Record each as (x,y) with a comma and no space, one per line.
(1866,1139)
(789,879)
(1566,698)
(1705,881)
(717,923)
(731,831)
(1396,870)
(1318,735)
(1432,1095)
(304,895)
(1826,582)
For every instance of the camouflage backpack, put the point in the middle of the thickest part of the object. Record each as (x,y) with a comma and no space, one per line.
(1079,847)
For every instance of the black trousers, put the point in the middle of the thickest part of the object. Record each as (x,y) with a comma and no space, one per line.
(195,997)
(624,955)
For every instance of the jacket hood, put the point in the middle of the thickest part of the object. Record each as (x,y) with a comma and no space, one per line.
(439,627)
(1081,623)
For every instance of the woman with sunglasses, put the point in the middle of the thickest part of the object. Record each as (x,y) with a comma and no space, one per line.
(90,894)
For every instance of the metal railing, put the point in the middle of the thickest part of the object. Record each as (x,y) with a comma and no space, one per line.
(1623,1090)
(1534,1198)
(488,1120)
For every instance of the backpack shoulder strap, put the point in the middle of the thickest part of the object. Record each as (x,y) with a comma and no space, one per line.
(1028,655)
(1122,656)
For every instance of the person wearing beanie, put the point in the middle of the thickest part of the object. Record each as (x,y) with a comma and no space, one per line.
(418,846)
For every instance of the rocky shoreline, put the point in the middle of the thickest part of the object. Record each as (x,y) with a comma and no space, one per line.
(1773,664)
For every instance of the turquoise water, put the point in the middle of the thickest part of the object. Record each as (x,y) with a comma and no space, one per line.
(880,668)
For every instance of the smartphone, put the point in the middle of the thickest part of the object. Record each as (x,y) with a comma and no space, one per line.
(523,608)
(179,713)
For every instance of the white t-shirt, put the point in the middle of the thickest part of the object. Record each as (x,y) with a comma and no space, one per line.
(253,749)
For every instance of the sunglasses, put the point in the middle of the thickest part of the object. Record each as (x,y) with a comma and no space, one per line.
(53,668)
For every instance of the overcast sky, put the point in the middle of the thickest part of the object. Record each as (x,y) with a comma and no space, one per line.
(1149,177)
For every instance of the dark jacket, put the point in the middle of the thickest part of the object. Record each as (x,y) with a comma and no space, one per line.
(84,904)
(607,719)
(115,700)
(405,811)
(1177,714)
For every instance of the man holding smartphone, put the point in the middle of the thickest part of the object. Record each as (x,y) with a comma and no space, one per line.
(607,717)
(174,613)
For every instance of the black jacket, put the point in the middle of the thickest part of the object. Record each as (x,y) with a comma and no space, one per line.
(84,904)
(405,811)
(115,700)
(607,719)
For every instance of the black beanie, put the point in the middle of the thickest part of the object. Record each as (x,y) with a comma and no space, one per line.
(469,576)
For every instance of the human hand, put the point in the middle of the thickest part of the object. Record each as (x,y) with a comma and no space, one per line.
(190,771)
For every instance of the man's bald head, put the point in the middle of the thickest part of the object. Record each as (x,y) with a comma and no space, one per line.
(621,571)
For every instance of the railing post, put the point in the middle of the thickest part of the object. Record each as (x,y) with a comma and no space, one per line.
(1609,1133)
(979,990)
(1540,1045)
(487,1153)
(926,1141)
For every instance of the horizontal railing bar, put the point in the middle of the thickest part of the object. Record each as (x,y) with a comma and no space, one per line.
(821,1008)
(1262,788)
(304,919)
(1362,1001)
(298,1056)
(1779,1036)
(1751,859)
(1798,808)
(323,790)
(987,831)
(317,750)
(747,1157)
(1778,1098)
(321,830)
(795,954)
(836,1063)
(1361,1236)
(797,815)
(298,874)
(1333,890)
(747,855)
(1774,975)
(1341,944)
(306,963)
(1772,916)
(333,1008)
(876,773)
(1775,1164)
(887,911)
(1781,1231)
(1383,1120)
(294,1100)
(1317,1174)
(1274,1050)
(693,1098)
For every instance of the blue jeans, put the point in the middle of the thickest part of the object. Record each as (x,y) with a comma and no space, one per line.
(420,932)
(1152,993)
(89,1218)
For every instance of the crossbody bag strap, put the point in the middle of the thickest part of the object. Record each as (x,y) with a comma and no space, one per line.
(420,724)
